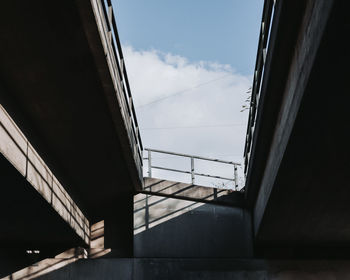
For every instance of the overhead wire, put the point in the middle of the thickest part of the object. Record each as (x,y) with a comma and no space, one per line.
(180,92)
(195,126)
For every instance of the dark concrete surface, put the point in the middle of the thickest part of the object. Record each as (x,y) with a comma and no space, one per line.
(284,32)
(302,210)
(119,227)
(193,269)
(52,88)
(175,228)
(28,222)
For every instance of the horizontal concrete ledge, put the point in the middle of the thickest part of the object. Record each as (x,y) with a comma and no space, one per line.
(237,202)
(219,269)
(15,147)
(171,189)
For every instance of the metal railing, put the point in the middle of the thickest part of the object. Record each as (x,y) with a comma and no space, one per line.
(115,59)
(266,24)
(192,172)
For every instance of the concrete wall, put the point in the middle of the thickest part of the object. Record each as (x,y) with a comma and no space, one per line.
(170,227)
(146,269)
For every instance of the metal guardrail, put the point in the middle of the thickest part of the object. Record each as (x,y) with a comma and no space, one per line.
(192,171)
(115,59)
(266,24)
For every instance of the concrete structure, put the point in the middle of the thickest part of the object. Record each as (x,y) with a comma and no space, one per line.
(297,177)
(74,203)
(190,221)
(194,269)
(69,140)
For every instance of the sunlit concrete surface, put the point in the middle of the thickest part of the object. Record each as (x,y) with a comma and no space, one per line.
(97,241)
(178,189)
(150,210)
(48,265)
(17,149)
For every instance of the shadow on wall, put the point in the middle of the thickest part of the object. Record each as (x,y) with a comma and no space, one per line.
(158,192)
(180,220)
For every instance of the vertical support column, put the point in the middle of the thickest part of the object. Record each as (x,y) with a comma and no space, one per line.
(149,164)
(235,177)
(119,225)
(147,213)
(192,170)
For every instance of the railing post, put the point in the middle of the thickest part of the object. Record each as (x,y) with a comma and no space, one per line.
(149,164)
(192,170)
(236,177)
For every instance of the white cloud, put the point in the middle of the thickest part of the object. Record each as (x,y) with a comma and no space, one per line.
(197,95)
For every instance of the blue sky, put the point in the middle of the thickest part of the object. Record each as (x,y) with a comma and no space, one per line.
(190,65)
(225,31)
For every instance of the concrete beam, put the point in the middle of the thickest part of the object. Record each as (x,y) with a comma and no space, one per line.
(60,83)
(171,189)
(196,269)
(310,34)
(22,155)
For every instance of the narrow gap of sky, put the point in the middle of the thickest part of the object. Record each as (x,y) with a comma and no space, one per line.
(225,31)
(190,64)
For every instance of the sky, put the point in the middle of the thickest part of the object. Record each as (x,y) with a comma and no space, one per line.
(190,64)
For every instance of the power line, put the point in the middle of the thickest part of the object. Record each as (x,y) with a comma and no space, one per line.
(182,91)
(197,126)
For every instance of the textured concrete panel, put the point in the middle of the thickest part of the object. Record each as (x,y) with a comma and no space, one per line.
(12,152)
(170,227)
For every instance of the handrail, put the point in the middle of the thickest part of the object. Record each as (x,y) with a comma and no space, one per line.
(192,171)
(119,73)
(266,24)
(192,156)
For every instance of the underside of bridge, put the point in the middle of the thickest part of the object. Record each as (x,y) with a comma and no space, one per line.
(71,163)
(28,223)
(298,180)
(67,148)
(56,85)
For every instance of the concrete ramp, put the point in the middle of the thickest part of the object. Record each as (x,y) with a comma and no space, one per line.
(172,189)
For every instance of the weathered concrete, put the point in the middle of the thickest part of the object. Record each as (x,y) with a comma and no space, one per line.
(287,18)
(171,227)
(213,269)
(302,208)
(309,39)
